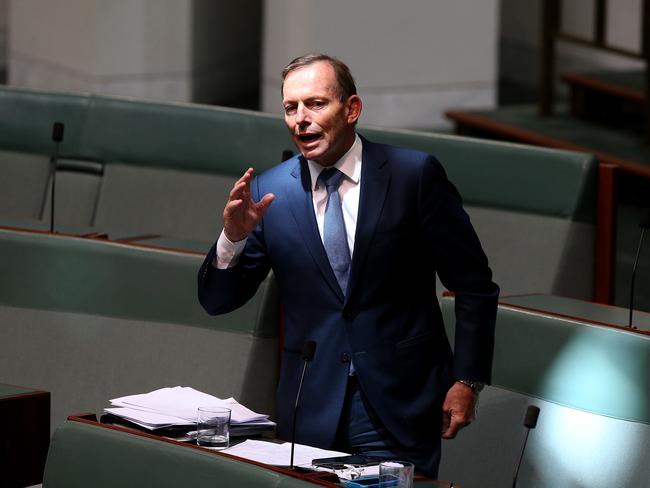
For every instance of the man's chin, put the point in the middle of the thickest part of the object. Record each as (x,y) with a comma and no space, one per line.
(314,154)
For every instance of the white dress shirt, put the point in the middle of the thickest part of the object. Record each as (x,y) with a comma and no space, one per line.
(228,252)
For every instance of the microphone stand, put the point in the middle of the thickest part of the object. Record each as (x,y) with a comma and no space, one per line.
(530,422)
(308,350)
(295,414)
(57,137)
(645,222)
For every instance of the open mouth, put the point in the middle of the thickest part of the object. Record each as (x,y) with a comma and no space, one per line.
(309,137)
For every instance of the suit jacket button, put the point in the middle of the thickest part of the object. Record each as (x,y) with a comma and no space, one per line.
(345,357)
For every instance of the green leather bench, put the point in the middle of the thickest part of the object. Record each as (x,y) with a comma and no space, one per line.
(533,208)
(167,170)
(83,455)
(592,384)
(90,320)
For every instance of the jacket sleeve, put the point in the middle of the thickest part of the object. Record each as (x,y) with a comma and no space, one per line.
(224,290)
(463,268)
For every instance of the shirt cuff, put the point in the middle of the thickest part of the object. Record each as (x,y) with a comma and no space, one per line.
(227,252)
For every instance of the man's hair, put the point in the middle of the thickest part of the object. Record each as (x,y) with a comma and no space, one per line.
(345,82)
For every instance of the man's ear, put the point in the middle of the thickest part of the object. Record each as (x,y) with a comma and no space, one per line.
(354,106)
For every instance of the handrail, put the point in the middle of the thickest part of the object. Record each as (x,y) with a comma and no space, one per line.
(552,31)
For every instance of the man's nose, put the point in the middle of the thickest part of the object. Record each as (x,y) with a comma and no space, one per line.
(302,116)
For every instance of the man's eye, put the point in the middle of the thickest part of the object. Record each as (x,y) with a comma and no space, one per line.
(290,110)
(316,104)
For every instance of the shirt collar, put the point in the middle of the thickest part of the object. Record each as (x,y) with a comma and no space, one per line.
(349,164)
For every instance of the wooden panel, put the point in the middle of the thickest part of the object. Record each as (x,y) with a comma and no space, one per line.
(24,437)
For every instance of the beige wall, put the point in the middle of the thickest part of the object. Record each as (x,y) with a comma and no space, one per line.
(183,50)
(3,39)
(412,59)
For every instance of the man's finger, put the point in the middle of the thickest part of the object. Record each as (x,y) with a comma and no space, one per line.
(245,179)
(237,190)
(264,203)
(446,419)
(247,176)
(233,205)
(453,427)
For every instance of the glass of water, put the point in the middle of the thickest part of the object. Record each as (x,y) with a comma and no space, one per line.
(397,474)
(213,427)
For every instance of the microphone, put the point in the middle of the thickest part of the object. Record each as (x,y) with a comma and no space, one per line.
(308,350)
(57,137)
(530,422)
(57,131)
(644,224)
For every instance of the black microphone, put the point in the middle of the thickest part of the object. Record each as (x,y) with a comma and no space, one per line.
(57,137)
(308,350)
(530,422)
(57,131)
(644,224)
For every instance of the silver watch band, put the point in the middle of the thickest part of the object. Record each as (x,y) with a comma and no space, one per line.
(476,386)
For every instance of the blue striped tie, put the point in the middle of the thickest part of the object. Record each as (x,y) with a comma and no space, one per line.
(335,238)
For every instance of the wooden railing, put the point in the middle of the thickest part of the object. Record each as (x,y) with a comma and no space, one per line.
(552,31)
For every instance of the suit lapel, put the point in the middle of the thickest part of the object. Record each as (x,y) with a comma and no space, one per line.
(375,179)
(302,209)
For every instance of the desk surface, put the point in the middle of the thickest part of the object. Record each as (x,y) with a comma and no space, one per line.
(10,391)
(579,309)
(317,478)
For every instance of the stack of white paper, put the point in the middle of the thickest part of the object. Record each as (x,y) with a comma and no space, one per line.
(279,453)
(179,406)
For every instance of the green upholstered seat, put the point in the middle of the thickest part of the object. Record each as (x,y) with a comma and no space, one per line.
(169,168)
(509,176)
(591,384)
(76,194)
(95,320)
(23,182)
(83,455)
(176,204)
(533,208)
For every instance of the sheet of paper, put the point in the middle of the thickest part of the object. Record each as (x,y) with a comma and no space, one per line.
(183,402)
(279,454)
(149,420)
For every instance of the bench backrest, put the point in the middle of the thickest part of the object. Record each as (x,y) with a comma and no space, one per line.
(169,167)
(591,384)
(91,320)
(83,455)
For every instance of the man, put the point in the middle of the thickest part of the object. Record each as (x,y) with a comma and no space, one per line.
(355,252)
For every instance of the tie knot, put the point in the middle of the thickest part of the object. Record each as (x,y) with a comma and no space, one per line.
(331,177)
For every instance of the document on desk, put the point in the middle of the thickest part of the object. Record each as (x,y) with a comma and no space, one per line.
(178,406)
(146,419)
(279,454)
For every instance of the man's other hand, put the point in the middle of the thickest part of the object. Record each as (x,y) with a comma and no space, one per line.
(458,409)
(242,214)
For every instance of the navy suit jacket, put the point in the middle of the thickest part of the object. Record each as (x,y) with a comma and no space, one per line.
(410,226)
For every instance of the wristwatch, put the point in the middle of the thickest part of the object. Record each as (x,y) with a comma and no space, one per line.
(476,386)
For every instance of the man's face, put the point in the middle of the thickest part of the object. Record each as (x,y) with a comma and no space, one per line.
(322,127)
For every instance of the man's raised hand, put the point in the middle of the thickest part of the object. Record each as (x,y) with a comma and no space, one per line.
(242,214)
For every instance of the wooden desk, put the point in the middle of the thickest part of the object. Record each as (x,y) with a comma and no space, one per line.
(24,435)
(572,308)
(318,478)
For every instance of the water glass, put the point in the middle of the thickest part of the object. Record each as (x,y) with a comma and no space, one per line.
(213,427)
(396,474)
